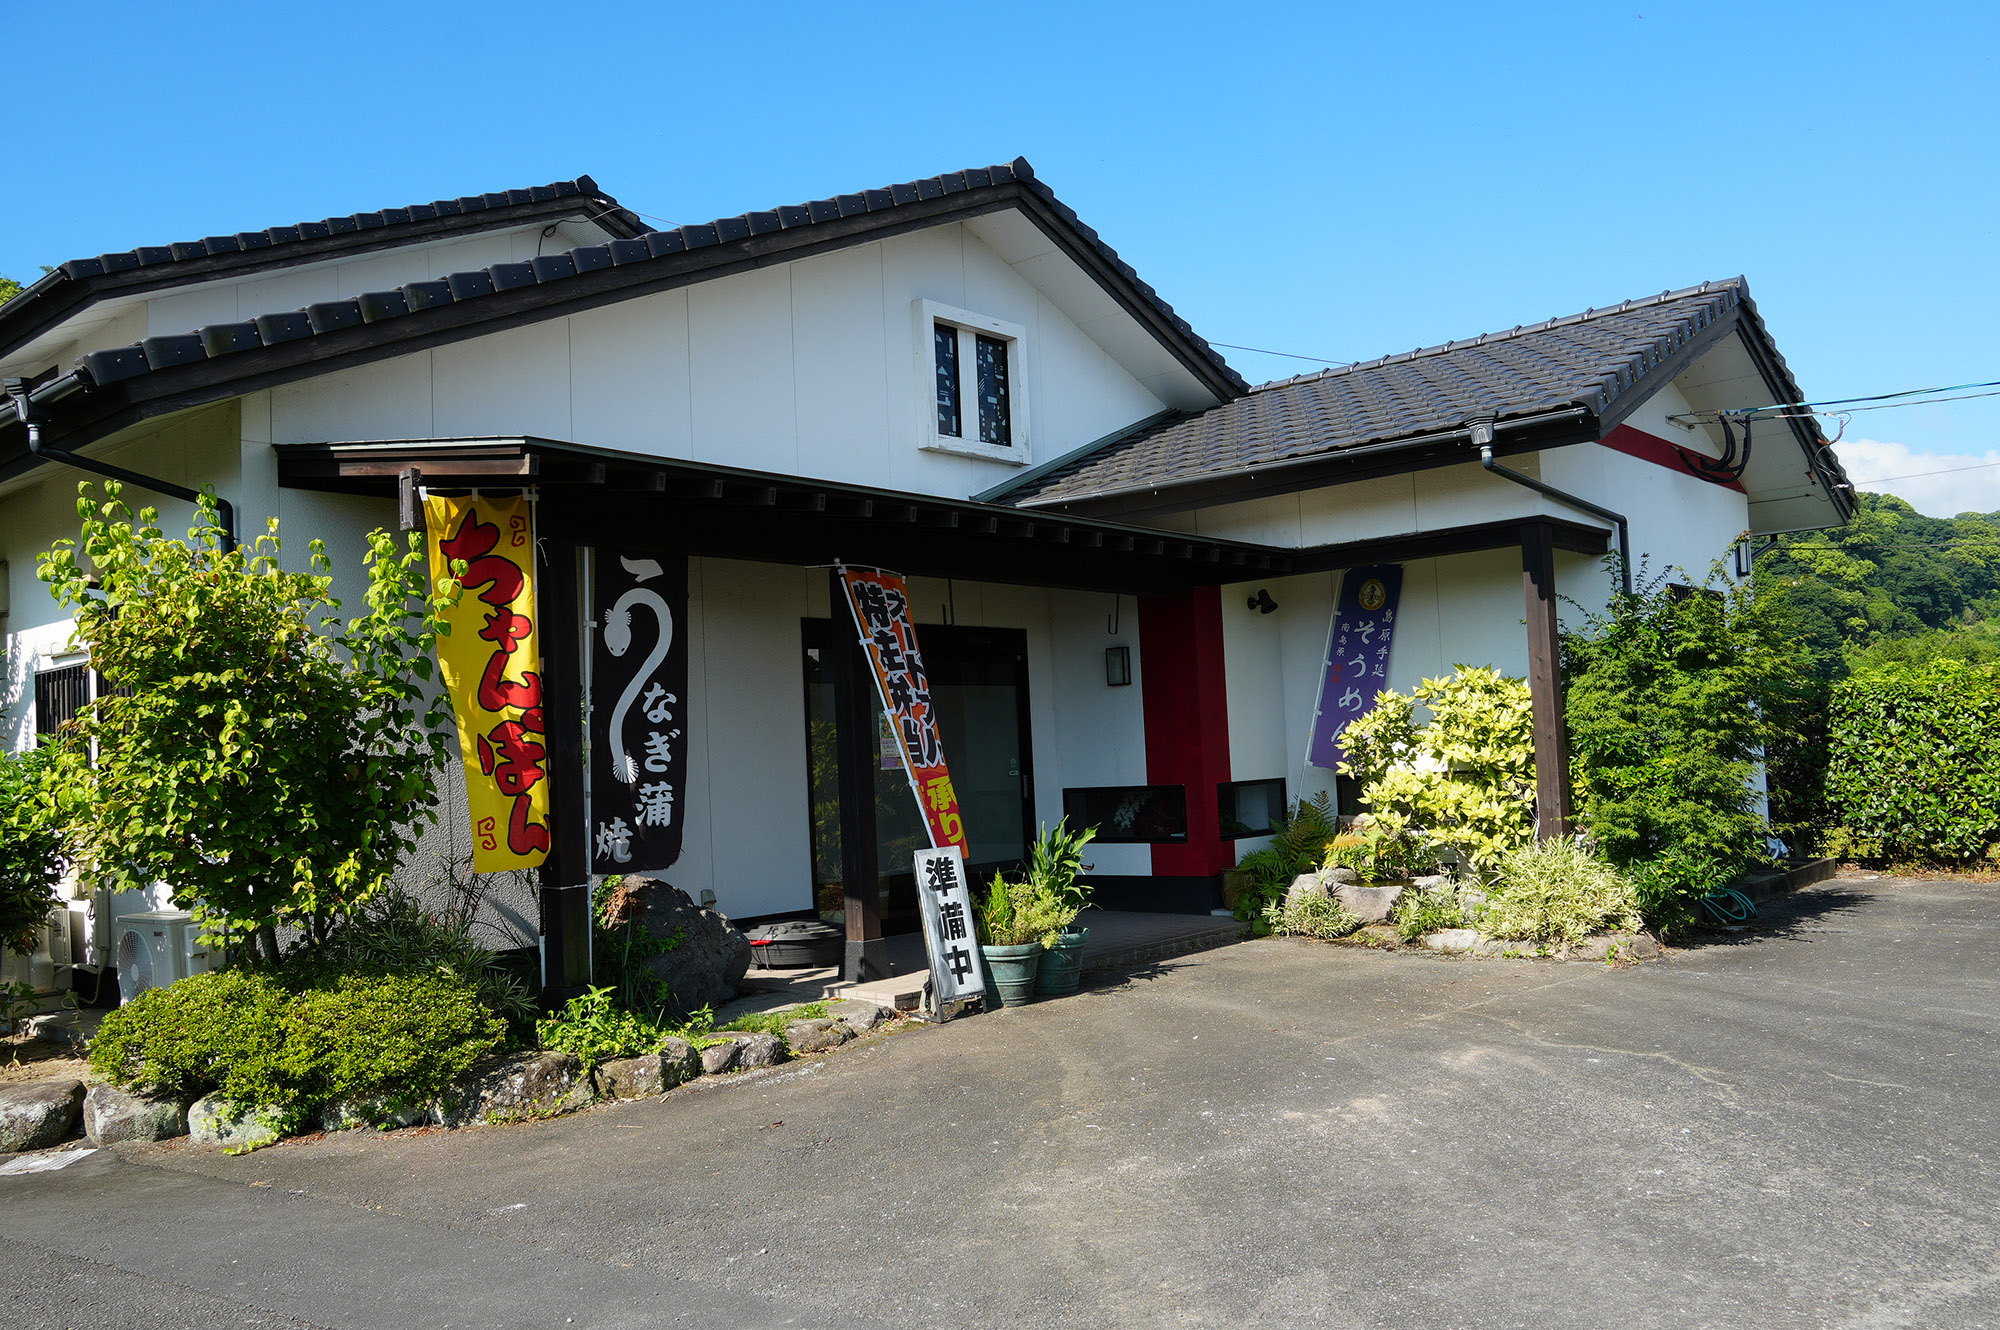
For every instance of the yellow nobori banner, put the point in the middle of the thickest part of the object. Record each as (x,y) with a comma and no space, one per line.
(493,669)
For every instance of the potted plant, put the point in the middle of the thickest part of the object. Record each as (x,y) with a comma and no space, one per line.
(1018,921)
(1055,866)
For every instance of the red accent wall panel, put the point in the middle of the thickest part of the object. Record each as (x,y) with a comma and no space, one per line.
(1187,722)
(1652,448)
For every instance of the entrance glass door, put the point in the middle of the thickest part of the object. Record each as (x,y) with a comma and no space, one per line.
(979,685)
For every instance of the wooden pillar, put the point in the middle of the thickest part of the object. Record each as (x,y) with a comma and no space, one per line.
(1538,580)
(857,749)
(565,875)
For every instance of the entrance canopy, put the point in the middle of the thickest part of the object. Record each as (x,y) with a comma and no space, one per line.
(592,496)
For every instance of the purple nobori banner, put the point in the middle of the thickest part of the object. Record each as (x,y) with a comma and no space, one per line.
(1357,656)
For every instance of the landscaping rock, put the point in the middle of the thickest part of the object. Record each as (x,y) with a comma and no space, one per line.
(1626,946)
(718,1058)
(1432,882)
(860,1017)
(816,1036)
(708,963)
(216,1121)
(36,1114)
(1371,905)
(754,1050)
(1319,883)
(631,1078)
(1452,941)
(533,1085)
(111,1115)
(679,1063)
(350,1114)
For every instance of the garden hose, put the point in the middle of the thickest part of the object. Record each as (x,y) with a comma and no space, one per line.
(1728,906)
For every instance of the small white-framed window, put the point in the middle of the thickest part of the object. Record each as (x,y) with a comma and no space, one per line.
(973,373)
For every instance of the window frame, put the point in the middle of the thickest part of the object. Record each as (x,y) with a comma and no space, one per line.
(927,315)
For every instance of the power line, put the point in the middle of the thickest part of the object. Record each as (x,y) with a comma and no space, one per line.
(1917,475)
(1288,355)
(1848,405)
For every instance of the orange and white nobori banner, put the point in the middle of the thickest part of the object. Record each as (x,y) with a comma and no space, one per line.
(492,667)
(881,605)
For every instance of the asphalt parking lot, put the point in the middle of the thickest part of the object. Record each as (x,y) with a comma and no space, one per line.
(1792,1127)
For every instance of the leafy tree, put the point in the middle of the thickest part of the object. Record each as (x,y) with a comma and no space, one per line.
(1890,574)
(30,848)
(9,288)
(1674,692)
(1465,776)
(266,758)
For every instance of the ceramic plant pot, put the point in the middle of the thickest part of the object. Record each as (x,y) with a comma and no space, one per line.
(1010,973)
(1062,965)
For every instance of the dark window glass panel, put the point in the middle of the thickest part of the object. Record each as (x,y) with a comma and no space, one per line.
(944,339)
(994,420)
(1129,814)
(59,695)
(1250,807)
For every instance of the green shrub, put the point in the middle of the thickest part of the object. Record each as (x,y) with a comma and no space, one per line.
(1671,887)
(1673,696)
(400,1038)
(30,848)
(1374,853)
(395,934)
(597,1029)
(1311,915)
(1298,846)
(257,1041)
(774,1022)
(1914,766)
(1465,776)
(1432,911)
(192,1038)
(1557,891)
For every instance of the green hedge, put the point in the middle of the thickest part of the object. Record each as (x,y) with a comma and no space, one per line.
(258,1039)
(1914,761)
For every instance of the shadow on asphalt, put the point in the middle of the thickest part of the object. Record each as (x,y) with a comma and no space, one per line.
(1778,918)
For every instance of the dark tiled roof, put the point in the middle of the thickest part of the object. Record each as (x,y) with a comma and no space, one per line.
(219,340)
(153,266)
(1587,360)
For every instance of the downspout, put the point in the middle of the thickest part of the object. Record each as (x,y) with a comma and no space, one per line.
(27,409)
(1482,434)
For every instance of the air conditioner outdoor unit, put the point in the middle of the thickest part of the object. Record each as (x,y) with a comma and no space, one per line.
(47,967)
(154,949)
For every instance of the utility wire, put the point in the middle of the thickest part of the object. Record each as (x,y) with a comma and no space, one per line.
(1845,405)
(1917,475)
(1288,355)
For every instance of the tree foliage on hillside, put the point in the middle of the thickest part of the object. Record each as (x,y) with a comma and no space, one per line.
(1891,576)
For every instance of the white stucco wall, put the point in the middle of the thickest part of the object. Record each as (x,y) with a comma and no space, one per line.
(808,368)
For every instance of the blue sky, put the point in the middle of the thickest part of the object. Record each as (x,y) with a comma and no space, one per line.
(1335,180)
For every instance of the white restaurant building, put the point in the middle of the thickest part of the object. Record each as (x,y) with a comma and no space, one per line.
(1123,558)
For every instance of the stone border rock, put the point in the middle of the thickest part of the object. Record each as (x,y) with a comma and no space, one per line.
(515,1088)
(1639,946)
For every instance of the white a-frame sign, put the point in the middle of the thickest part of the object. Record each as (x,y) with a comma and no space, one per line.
(946,905)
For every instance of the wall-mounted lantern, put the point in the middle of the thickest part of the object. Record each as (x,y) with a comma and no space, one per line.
(1117,666)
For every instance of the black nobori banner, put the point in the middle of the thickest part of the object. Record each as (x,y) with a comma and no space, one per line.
(638,731)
